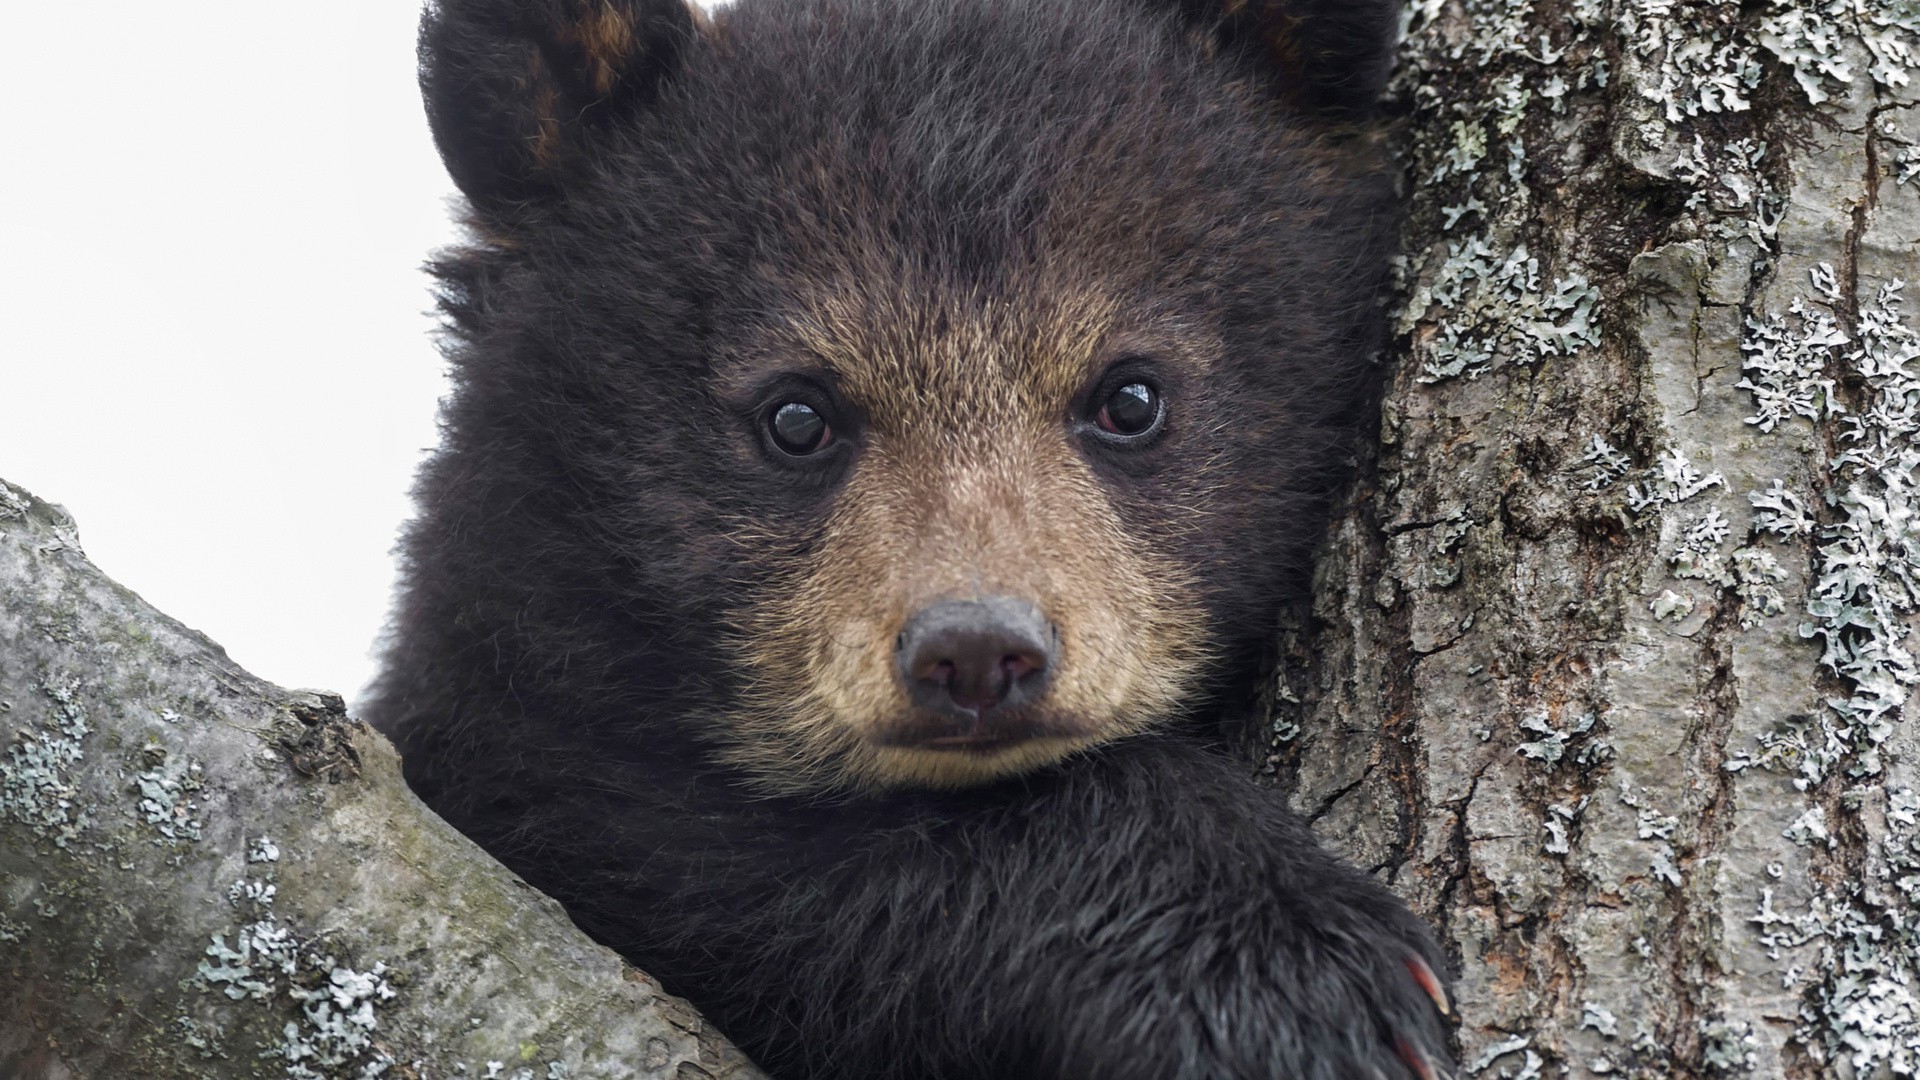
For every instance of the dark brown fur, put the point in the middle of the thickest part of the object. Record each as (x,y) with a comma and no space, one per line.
(650,662)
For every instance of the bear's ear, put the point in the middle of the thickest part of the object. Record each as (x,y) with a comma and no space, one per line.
(513,87)
(1327,57)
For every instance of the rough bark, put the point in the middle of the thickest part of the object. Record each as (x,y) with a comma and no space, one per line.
(203,875)
(1606,669)
(1609,656)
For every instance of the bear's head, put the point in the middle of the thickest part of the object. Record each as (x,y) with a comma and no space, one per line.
(886,393)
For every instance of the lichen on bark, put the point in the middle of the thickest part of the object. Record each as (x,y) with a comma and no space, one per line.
(1609,655)
(206,876)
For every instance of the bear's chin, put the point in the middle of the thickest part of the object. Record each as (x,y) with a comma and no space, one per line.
(924,749)
(960,765)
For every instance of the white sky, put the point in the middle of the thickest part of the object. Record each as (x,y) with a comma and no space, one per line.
(213,339)
(214,332)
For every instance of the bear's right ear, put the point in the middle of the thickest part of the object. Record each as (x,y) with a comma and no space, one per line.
(514,87)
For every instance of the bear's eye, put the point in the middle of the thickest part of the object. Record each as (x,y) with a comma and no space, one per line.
(1131,411)
(799,429)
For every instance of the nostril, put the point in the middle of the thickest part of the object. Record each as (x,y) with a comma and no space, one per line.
(962,657)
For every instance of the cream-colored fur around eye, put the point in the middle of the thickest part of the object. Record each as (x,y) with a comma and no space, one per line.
(934,516)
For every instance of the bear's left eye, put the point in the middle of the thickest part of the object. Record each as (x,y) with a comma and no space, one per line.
(798,429)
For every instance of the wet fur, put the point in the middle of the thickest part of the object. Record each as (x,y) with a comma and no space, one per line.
(616,662)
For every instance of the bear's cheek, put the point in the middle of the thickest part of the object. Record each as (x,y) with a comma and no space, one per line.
(1017,518)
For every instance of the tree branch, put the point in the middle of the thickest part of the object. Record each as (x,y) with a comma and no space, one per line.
(204,875)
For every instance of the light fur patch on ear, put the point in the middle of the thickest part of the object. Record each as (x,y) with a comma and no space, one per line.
(604,37)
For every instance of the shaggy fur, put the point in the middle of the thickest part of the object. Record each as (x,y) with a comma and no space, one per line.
(648,662)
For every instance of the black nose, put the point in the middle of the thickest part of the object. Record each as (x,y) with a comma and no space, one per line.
(963,657)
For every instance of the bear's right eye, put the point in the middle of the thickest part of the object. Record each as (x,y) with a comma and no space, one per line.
(798,429)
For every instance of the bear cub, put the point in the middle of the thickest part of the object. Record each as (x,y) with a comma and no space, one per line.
(882,432)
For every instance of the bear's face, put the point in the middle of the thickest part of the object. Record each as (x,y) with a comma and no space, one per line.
(966,471)
(907,394)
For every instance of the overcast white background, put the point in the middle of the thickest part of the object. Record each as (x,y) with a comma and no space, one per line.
(214,344)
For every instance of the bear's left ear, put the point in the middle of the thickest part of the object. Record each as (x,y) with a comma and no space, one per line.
(1326,57)
(515,89)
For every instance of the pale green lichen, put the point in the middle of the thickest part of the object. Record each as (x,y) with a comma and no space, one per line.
(1866,587)
(1728,1047)
(1694,70)
(339,1025)
(1674,479)
(1702,62)
(1863,1008)
(1784,364)
(1607,464)
(1811,39)
(333,1035)
(1867,573)
(1780,512)
(1757,575)
(37,789)
(1671,605)
(1559,820)
(1497,309)
(166,788)
(1552,745)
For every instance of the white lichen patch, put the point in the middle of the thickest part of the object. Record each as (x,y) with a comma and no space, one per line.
(1897,149)
(1811,39)
(1605,464)
(339,1023)
(260,952)
(337,1006)
(1810,828)
(1558,823)
(1756,577)
(1696,545)
(1671,605)
(37,790)
(251,891)
(1867,573)
(1551,747)
(1865,589)
(1728,1047)
(166,788)
(1700,60)
(1780,512)
(1499,307)
(1674,479)
(1491,290)
(1865,940)
(1808,42)
(1657,829)
(1785,363)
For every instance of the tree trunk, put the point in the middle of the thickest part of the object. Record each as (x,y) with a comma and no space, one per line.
(1609,655)
(1605,672)
(204,876)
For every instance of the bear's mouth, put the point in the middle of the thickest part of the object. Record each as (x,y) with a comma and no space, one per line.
(989,731)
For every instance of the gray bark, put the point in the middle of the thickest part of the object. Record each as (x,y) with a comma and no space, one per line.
(1606,671)
(1609,656)
(203,875)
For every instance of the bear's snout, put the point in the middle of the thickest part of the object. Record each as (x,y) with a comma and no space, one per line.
(972,663)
